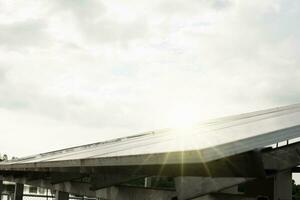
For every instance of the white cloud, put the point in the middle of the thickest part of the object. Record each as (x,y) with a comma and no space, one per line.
(24,34)
(87,69)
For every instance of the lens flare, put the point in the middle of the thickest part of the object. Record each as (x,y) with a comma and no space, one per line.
(182,117)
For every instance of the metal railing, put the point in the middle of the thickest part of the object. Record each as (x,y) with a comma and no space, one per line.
(6,196)
(38,197)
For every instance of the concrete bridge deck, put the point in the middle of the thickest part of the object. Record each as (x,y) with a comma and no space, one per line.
(201,160)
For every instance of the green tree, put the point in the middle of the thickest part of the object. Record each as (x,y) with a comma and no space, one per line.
(296,191)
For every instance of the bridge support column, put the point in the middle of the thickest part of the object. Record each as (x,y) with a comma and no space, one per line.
(59,195)
(283,186)
(278,187)
(19,188)
(1,187)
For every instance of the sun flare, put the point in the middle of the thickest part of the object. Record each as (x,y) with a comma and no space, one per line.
(183,117)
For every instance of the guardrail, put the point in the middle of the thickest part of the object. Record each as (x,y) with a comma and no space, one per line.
(6,196)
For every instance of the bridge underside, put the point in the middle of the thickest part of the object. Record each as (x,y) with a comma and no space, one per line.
(236,177)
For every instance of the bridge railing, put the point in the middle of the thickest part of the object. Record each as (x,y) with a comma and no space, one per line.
(7,196)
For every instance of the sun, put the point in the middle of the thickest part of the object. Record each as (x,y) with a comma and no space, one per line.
(182,116)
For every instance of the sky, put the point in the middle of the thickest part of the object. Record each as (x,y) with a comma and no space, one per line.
(74,72)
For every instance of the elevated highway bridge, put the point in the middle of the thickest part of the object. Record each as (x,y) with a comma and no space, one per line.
(246,156)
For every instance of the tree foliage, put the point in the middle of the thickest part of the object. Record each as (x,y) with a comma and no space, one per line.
(296,191)
(3,157)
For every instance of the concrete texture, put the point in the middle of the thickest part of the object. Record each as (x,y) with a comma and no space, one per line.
(191,187)
(128,193)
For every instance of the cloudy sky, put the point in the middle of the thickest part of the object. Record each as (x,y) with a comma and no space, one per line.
(75,72)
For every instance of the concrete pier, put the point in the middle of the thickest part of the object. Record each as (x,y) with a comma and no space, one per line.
(19,189)
(278,187)
(59,195)
(1,186)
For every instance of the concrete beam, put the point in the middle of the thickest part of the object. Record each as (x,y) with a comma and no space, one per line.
(233,166)
(192,187)
(282,158)
(100,181)
(64,177)
(19,188)
(131,193)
